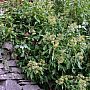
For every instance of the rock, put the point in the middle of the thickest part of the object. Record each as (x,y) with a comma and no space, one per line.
(4,77)
(2,72)
(1,65)
(11,76)
(15,76)
(9,49)
(9,46)
(15,70)
(24,82)
(2,87)
(12,63)
(12,85)
(31,87)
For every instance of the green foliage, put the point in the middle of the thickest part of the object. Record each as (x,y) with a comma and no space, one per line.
(72,10)
(52,43)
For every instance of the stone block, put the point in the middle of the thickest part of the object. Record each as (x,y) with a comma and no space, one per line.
(1,65)
(11,76)
(25,82)
(31,87)
(8,46)
(4,77)
(12,63)
(12,85)
(15,70)
(2,71)
(15,76)
(2,87)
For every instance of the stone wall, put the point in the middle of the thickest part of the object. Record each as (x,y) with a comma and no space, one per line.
(12,78)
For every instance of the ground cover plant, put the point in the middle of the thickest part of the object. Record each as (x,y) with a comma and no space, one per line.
(52,41)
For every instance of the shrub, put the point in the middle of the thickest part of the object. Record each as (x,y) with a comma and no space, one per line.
(51,51)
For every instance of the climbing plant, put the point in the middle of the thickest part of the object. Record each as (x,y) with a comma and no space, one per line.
(52,43)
